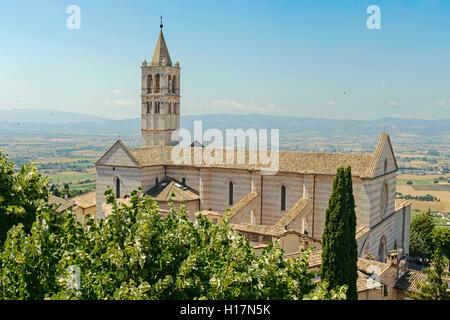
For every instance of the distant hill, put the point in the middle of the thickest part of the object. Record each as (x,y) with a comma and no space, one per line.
(64,123)
(45,116)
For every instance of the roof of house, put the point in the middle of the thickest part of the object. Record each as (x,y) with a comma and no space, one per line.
(244,202)
(294,212)
(364,281)
(371,266)
(272,231)
(108,208)
(61,204)
(86,200)
(411,281)
(171,188)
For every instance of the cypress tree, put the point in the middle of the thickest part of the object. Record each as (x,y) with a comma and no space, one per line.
(339,255)
(352,269)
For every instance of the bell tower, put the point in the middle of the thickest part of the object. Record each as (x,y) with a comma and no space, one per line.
(160,97)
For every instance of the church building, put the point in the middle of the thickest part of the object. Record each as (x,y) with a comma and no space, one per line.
(291,202)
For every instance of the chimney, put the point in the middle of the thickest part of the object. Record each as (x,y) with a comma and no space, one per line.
(303,243)
(392,257)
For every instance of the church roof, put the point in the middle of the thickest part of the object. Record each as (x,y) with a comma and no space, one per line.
(289,161)
(164,190)
(161,55)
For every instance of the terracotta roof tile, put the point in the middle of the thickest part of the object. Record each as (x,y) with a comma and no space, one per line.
(297,162)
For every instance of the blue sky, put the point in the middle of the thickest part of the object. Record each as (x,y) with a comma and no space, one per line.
(274,57)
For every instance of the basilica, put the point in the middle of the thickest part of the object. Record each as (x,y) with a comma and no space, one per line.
(289,204)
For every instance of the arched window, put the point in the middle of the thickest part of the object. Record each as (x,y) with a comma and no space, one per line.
(183,181)
(174,84)
(156,181)
(169,83)
(156,107)
(149,106)
(149,83)
(230,193)
(283,198)
(117,188)
(385,165)
(383,199)
(382,250)
(157,83)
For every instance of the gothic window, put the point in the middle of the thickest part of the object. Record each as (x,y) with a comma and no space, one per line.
(183,181)
(383,199)
(283,198)
(156,107)
(117,188)
(174,84)
(382,250)
(149,107)
(157,78)
(385,165)
(149,83)
(230,193)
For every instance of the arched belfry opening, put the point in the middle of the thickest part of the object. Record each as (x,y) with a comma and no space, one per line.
(157,83)
(230,193)
(283,198)
(174,84)
(149,83)
(117,187)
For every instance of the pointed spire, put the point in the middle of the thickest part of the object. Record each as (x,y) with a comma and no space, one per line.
(161,56)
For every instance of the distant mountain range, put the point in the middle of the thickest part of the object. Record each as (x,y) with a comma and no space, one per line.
(45,116)
(48,122)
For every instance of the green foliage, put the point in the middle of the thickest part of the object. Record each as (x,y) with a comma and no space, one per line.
(421,236)
(339,255)
(435,288)
(433,152)
(21,195)
(409,182)
(137,254)
(441,241)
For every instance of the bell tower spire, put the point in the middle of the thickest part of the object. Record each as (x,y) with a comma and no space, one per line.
(160,97)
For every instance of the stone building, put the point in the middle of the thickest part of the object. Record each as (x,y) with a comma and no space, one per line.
(293,199)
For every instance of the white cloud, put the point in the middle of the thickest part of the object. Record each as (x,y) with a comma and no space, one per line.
(227,106)
(115,91)
(126,102)
(331,102)
(384,83)
(442,102)
(393,103)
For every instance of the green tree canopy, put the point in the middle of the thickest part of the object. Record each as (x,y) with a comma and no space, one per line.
(339,255)
(435,288)
(137,254)
(441,240)
(421,236)
(21,195)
